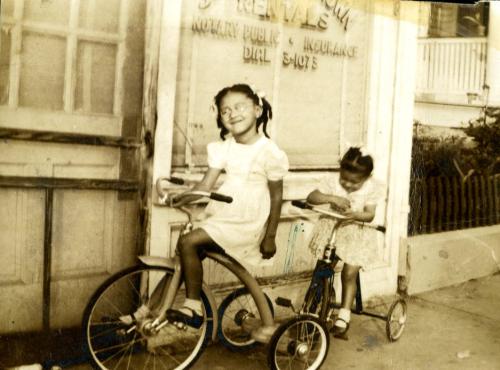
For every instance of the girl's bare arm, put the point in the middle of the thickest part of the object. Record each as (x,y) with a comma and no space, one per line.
(208,181)
(366,215)
(268,245)
(317,197)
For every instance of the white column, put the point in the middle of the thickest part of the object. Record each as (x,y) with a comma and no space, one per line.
(167,83)
(402,131)
(390,120)
(424,14)
(493,56)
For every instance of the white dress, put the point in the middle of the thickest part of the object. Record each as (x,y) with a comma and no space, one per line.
(239,227)
(355,244)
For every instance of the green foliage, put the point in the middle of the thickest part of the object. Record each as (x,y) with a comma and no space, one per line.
(478,152)
(435,156)
(485,132)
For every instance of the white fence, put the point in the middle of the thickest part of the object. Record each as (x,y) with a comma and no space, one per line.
(451,65)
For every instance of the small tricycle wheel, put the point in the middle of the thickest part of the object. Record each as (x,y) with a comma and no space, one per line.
(300,343)
(396,320)
(234,310)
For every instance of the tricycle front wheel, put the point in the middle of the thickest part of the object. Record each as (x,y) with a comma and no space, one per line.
(300,343)
(396,320)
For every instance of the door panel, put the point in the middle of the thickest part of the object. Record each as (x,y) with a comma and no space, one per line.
(21,248)
(23,158)
(94,234)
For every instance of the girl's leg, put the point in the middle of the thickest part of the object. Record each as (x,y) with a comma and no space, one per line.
(349,275)
(190,247)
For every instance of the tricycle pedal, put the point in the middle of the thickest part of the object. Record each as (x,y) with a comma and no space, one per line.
(284,302)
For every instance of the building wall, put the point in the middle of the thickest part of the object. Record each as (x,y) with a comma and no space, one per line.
(371,94)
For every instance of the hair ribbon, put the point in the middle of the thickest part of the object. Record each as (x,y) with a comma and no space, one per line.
(259,93)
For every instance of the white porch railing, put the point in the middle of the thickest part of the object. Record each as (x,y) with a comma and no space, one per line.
(451,66)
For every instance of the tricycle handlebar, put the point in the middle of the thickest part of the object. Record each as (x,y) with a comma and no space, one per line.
(163,195)
(304,205)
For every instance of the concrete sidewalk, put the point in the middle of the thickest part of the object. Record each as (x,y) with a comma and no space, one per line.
(451,328)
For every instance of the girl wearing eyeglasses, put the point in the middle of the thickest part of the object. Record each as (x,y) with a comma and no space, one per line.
(254,167)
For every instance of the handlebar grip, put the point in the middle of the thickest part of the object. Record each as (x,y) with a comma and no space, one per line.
(380,228)
(301,204)
(221,198)
(176,180)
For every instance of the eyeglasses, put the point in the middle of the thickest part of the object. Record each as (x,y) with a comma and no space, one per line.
(238,108)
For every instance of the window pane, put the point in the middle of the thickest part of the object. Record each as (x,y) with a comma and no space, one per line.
(453,20)
(4,67)
(310,136)
(443,22)
(472,20)
(95,77)
(314,78)
(53,11)
(104,17)
(42,71)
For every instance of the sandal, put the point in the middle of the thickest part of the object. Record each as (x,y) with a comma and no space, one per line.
(340,332)
(195,320)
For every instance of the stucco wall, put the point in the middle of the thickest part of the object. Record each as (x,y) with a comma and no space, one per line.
(439,260)
(445,115)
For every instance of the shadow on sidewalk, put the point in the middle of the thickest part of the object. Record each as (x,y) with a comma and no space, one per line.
(62,348)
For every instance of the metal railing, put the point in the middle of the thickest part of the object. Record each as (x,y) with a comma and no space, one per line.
(451,65)
(442,203)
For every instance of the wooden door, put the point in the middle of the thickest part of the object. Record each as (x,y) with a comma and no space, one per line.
(70,107)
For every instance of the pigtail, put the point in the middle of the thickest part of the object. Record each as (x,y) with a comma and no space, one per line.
(217,101)
(267,114)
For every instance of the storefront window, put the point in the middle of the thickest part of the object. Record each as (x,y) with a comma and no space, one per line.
(454,20)
(309,57)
